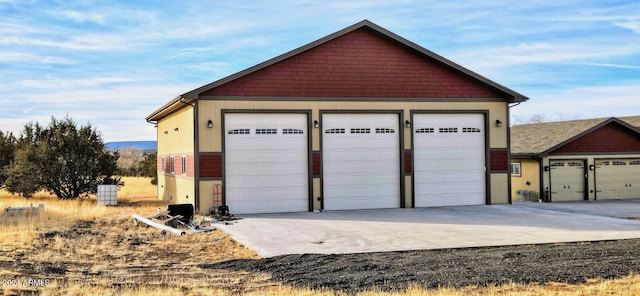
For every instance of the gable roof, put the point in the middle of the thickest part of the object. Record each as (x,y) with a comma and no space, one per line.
(538,139)
(510,95)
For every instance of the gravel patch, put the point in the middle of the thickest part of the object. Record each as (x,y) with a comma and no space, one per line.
(566,263)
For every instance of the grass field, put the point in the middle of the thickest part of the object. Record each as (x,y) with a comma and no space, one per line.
(81,248)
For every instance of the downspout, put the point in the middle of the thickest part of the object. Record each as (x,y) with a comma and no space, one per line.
(155,124)
(510,199)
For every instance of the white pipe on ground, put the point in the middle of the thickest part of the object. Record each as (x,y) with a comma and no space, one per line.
(149,222)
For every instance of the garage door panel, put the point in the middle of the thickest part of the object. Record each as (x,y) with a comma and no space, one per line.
(361,161)
(449,159)
(266,163)
(617,179)
(567,180)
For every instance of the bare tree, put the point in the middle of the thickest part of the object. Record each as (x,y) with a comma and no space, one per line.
(129,160)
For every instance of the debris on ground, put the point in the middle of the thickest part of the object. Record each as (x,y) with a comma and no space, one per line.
(24,210)
(177,219)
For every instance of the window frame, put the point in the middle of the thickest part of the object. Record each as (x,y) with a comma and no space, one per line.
(184,165)
(512,169)
(172,165)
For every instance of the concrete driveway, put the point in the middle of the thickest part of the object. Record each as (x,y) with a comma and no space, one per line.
(434,228)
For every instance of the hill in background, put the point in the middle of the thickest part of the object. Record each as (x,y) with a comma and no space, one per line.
(146,146)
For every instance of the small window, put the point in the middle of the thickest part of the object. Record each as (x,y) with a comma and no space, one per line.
(172,165)
(448,130)
(239,131)
(266,131)
(360,130)
(425,130)
(599,163)
(619,162)
(184,165)
(385,131)
(515,169)
(334,131)
(470,130)
(557,164)
(635,162)
(574,164)
(291,131)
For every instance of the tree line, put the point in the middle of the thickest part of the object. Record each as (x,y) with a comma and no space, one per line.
(62,158)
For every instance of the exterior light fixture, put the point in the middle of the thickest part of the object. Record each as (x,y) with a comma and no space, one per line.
(407,123)
(316,124)
(498,123)
(210,123)
(176,129)
(166,132)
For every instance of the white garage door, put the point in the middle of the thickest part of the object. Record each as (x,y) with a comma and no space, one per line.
(360,161)
(449,159)
(266,163)
(567,180)
(617,178)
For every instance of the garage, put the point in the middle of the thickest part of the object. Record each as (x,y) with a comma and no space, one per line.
(266,162)
(617,178)
(361,161)
(578,160)
(567,180)
(449,159)
(330,126)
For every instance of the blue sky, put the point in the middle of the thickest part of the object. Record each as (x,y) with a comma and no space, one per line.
(111,63)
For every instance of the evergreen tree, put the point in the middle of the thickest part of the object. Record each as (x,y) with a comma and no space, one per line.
(149,167)
(7,148)
(63,159)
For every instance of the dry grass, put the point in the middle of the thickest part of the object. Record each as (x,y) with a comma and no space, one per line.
(82,248)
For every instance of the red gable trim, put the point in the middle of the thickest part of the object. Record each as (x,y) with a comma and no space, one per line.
(610,138)
(357,64)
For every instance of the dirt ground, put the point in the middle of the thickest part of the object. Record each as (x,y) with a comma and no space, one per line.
(116,255)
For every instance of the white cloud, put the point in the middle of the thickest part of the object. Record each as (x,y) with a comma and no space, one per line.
(26,58)
(80,17)
(51,84)
(607,65)
(631,25)
(585,102)
(85,42)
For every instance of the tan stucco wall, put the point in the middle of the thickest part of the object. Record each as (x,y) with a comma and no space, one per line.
(529,172)
(176,189)
(210,138)
(172,141)
(207,196)
(211,110)
(176,138)
(499,188)
(317,203)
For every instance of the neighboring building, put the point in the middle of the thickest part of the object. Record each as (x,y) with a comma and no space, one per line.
(359,119)
(590,159)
